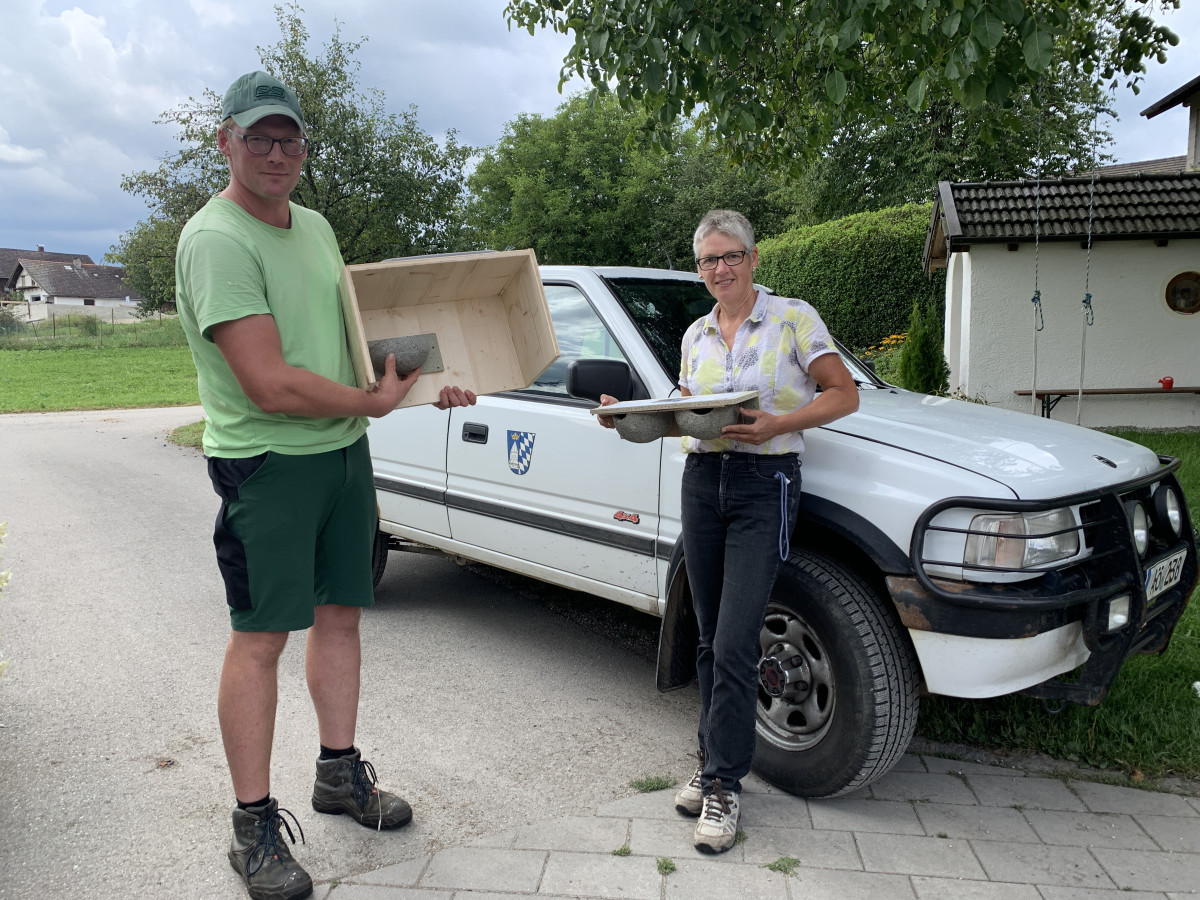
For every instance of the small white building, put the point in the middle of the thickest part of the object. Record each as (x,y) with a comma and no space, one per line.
(1002,243)
(73,283)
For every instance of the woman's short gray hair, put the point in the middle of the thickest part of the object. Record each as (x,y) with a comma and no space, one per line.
(726,221)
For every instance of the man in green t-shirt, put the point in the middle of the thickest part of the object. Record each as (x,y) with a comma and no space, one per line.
(285,437)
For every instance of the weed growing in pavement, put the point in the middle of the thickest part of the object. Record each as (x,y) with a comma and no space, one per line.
(622,851)
(188,435)
(785,865)
(648,783)
(665,865)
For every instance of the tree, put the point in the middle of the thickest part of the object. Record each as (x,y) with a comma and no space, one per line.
(387,188)
(775,82)
(900,156)
(147,253)
(922,366)
(584,186)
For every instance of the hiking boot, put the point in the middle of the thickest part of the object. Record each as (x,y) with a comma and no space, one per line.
(716,831)
(259,854)
(347,785)
(689,800)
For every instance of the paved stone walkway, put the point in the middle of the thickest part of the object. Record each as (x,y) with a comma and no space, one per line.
(932,829)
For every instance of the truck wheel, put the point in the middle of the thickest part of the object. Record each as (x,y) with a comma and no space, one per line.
(837,696)
(379,557)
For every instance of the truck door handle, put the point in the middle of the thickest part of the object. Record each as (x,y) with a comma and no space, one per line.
(474,433)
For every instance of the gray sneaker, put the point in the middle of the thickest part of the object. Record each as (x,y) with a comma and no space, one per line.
(259,854)
(347,785)
(716,831)
(689,800)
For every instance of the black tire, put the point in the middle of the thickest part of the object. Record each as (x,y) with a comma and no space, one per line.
(856,710)
(379,557)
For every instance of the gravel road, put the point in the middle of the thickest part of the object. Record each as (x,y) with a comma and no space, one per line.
(488,702)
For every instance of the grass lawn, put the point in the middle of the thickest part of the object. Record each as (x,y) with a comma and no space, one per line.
(1148,726)
(94,378)
(128,365)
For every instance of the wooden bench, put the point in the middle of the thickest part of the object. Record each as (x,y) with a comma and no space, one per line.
(1051,396)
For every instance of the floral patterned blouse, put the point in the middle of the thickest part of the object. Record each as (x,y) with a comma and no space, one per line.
(771,353)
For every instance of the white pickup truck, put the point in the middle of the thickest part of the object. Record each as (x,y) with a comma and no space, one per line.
(942,546)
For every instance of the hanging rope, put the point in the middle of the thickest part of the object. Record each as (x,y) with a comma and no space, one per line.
(1089,315)
(1038,321)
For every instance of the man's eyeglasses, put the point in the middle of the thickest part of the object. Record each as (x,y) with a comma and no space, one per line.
(732,258)
(261,145)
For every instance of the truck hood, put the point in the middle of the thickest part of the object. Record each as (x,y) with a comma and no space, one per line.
(1035,457)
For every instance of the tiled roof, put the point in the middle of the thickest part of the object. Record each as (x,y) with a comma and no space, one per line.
(67,280)
(1121,207)
(1170,165)
(9,257)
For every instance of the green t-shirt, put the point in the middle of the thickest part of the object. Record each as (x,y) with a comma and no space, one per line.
(230,265)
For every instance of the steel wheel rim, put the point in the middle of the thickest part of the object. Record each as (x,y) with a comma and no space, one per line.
(798,720)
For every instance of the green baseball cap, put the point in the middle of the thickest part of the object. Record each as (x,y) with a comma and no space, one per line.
(257,95)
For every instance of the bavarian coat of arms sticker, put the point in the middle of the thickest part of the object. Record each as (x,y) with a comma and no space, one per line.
(520,451)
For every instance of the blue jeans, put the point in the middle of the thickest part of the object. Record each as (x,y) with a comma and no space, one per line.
(731,509)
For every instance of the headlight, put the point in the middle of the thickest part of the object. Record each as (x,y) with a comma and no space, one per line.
(1021,540)
(1140,523)
(1168,514)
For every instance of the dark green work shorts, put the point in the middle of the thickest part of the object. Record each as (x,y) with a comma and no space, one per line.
(294,532)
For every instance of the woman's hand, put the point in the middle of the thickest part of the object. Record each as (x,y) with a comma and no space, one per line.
(454,396)
(607,421)
(761,428)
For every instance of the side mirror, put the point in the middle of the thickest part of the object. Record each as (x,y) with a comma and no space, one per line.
(587,379)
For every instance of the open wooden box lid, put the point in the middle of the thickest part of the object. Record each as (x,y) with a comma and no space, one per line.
(487,310)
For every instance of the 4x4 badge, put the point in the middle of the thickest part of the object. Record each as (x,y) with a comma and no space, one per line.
(520,451)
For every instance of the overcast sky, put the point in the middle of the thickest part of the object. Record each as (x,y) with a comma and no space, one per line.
(81,86)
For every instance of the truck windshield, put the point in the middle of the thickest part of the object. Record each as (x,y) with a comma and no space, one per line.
(663,308)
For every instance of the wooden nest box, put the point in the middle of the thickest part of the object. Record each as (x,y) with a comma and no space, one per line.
(487,310)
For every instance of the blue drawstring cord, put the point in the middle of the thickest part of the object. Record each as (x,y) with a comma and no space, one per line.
(784,542)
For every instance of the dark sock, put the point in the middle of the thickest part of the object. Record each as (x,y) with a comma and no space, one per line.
(262,802)
(326,753)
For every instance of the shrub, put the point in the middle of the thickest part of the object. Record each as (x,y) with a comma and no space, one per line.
(862,272)
(922,365)
(90,325)
(10,321)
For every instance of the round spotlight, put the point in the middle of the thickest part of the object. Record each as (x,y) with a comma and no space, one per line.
(1140,523)
(1168,512)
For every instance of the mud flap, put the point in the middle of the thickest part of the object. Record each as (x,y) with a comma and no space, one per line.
(678,636)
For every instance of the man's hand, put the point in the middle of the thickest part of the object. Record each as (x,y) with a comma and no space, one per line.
(391,389)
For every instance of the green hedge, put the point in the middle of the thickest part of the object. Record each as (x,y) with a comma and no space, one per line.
(862,273)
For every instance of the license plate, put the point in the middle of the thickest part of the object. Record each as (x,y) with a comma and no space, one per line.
(1164,575)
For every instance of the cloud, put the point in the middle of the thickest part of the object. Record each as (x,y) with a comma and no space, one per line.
(16,155)
(212,13)
(83,81)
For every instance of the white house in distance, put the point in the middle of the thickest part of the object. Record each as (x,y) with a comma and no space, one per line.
(1002,241)
(73,283)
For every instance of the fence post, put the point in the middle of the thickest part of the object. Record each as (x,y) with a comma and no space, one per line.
(53,324)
